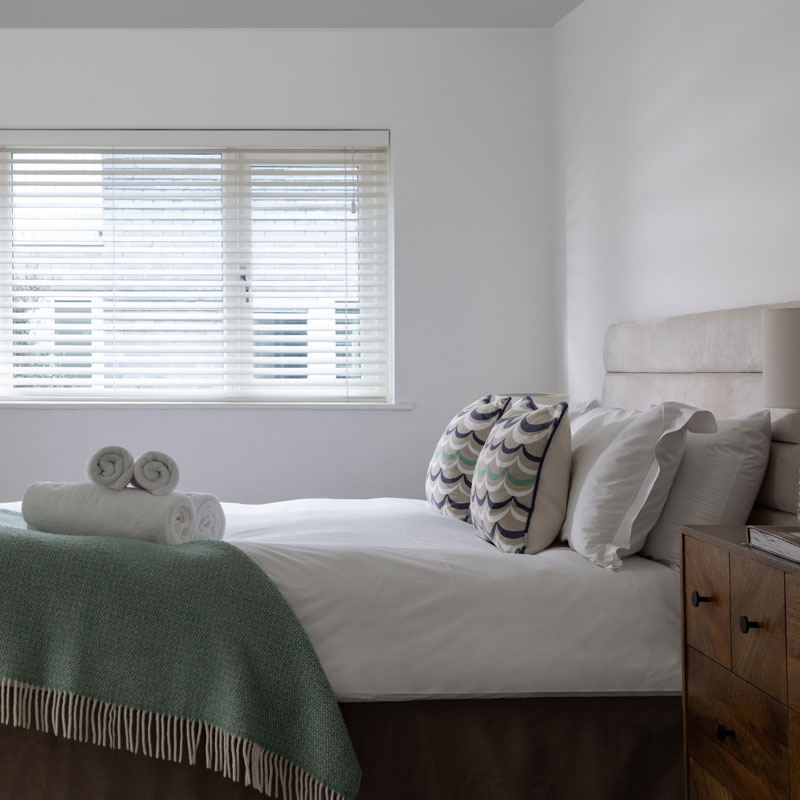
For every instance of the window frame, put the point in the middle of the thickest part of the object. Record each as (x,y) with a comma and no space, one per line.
(225,140)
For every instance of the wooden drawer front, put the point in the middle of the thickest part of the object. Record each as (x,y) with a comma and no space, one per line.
(794,755)
(754,762)
(704,786)
(708,624)
(759,656)
(793,642)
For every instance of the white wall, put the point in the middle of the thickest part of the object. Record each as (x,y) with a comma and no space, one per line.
(678,163)
(470,119)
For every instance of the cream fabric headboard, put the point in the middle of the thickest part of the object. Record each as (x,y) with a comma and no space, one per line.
(710,360)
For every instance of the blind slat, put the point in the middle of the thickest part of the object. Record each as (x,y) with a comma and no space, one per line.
(153,272)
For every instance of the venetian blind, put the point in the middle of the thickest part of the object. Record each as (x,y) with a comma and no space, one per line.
(195,272)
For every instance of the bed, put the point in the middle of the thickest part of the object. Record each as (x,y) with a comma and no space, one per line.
(462,672)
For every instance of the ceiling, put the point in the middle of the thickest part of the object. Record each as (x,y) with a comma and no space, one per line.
(284,13)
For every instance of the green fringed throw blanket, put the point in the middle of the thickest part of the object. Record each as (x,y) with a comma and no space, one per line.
(167,650)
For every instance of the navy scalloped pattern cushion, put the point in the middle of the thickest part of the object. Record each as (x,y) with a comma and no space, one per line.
(448,483)
(508,476)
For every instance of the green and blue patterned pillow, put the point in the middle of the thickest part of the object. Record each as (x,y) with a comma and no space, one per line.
(521,481)
(449,478)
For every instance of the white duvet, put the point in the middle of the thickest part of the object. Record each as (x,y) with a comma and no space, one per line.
(401,602)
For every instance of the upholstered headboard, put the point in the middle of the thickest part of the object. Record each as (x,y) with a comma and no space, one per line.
(710,360)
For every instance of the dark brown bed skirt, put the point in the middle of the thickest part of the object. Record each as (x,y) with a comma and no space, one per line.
(622,748)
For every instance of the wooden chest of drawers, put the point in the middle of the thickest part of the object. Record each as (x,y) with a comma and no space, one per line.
(741,668)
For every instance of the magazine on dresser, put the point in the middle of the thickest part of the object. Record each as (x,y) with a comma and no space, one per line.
(783,541)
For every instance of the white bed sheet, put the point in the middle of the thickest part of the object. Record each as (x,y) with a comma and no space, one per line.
(401,603)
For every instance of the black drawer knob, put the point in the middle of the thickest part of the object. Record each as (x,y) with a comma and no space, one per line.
(723,733)
(745,624)
(698,598)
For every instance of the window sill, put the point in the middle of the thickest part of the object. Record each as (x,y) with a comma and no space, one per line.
(161,405)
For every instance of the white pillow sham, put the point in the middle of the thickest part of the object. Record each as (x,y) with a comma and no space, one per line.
(623,465)
(717,481)
(594,427)
(577,410)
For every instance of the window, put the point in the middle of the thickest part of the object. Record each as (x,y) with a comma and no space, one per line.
(141,265)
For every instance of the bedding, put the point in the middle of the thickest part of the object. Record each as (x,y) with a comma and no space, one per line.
(717,481)
(536,748)
(623,464)
(521,482)
(448,481)
(156,647)
(402,603)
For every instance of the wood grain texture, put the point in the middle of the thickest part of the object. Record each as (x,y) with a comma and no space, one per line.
(793,642)
(706,571)
(727,770)
(755,762)
(759,656)
(733,538)
(684,540)
(704,786)
(794,755)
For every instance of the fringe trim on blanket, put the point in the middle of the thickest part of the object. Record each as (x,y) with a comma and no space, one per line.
(158,736)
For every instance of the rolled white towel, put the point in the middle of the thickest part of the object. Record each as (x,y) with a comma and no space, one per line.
(210,518)
(111,467)
(155,472)
(85,509)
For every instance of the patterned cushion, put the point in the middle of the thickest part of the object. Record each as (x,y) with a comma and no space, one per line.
(449,478)
(521,482)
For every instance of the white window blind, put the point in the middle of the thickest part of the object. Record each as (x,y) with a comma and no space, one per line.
(195,271)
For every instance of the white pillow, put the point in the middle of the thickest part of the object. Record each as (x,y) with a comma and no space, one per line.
(594,427)
(623,465)
(717,481)
(577,410)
